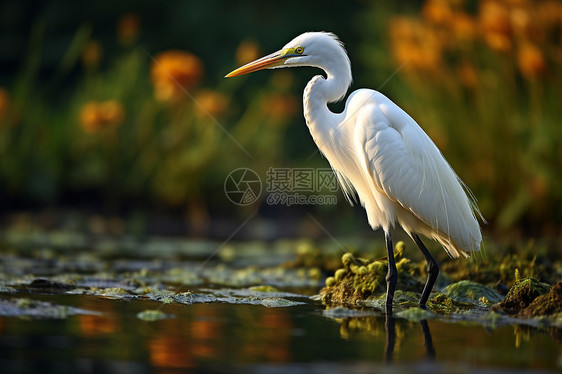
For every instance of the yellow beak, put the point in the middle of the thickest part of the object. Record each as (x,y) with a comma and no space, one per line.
(269,61)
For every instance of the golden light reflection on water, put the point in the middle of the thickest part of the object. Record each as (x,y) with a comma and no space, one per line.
(93,325)
(211,335)
(207,332)
(170,351)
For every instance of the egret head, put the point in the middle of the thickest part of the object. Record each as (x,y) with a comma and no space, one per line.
(318,49)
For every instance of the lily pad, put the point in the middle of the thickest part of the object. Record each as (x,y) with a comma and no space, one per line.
(277,302)
(24,307)
(152,315)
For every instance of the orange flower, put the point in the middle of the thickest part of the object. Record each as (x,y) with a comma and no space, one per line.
(531,61)
(128,28)
(525,23)
(496,25)
(172,72)
(464,26)
(246,52)
(438,12)
(498,42)
(549,14)
(414,42)
(97,115)
(4,102)
(213,103)
(91,55)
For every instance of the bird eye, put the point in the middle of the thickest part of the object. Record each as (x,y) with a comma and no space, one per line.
(299,50)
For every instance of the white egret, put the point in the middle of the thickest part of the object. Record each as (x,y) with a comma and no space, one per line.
(382,156)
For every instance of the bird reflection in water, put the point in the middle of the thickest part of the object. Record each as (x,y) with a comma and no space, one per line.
(373,325)
(390,328)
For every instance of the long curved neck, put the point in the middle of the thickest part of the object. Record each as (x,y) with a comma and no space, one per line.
(320,91)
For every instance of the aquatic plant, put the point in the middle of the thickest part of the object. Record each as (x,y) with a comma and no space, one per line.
(360,279)
(522,294)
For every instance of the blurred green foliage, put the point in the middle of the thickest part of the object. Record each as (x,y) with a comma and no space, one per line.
(88,109)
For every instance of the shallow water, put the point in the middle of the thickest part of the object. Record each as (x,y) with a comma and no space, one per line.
(91,296)
(225,337)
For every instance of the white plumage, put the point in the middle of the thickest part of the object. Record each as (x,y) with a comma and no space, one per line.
(381,154)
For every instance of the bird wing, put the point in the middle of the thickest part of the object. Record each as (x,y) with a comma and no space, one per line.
(406,165)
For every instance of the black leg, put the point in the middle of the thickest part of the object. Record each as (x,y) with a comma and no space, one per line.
(429,350)
(432,271)
(390,338)
(392,275)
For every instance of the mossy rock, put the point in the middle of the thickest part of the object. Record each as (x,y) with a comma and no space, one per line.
(548,304)
(471,292)
(360,280)
(522,294)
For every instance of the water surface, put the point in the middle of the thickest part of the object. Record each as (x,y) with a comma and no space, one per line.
(225,337)
(93,292)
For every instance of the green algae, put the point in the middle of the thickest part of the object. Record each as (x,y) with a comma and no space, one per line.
(189,298)
(330,281)
(340,312)
(264,288)
(340,274)
(472,292)
(269,299)
(152,315)
(533,260)
(256,273)
(277,302)
(315,273)
(163,296)
(444,305)
(406,299)
(34,309)
(24,303)
(416,314)
(311,256)
(114,292)
(361,284)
